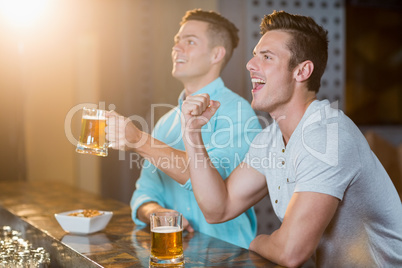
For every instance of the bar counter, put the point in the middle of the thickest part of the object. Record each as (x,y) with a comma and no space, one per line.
(29,208)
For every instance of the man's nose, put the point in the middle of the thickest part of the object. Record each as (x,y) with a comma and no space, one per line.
(177,47)
(251,65)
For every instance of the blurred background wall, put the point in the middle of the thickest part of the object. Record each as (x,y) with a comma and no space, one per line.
(57,55)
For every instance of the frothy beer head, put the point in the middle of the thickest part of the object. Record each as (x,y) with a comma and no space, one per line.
(94,117)
(166,229)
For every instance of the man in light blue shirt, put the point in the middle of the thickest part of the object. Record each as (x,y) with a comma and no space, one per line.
(203,46)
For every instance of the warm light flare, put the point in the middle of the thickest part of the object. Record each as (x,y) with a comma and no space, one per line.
(22,13)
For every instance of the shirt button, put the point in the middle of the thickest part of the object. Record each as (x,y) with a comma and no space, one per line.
(283,150)
(279,187)
(283,162)
(276,201)
(287,179)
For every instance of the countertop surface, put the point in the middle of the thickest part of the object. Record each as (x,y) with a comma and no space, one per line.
(29,207)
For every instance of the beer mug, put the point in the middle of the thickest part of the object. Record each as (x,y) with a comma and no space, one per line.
(166,241)
(93,137)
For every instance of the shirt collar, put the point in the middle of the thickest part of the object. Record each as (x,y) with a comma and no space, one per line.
(311,109)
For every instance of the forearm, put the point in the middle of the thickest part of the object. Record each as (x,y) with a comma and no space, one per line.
(208,186)
(307,216)
(146,209)
(124,135)
(171,161)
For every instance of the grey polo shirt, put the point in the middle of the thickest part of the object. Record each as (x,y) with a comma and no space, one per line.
(328,154)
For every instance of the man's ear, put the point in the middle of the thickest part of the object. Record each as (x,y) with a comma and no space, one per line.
(218,53)
(304,70)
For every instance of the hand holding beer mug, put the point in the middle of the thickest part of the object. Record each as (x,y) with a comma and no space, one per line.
(93,139)
(166,241)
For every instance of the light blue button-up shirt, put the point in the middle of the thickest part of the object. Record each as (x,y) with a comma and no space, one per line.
(227,137)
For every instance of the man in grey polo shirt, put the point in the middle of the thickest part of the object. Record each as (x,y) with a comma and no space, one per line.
(336,202)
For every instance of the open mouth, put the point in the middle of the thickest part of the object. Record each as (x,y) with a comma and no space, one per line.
(257,83)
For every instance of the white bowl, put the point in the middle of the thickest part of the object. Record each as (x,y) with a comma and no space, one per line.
(83,225)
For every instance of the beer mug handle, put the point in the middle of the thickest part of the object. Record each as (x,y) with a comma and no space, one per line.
(108,144)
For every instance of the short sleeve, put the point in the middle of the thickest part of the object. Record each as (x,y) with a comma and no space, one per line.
(327,162)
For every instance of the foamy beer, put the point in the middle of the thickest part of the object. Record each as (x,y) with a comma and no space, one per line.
(166,241)
(93,137)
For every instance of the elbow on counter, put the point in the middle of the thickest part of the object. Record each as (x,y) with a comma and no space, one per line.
(285,257)
(293,259)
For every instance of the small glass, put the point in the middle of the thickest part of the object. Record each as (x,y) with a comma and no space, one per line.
(167,239)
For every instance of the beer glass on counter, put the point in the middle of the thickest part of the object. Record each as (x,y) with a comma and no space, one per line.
(166,241)
(93,137)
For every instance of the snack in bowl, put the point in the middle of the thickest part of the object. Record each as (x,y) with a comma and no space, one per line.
(86,213)
(83,221)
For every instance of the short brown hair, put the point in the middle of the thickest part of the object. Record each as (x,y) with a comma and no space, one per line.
(222,32)
(309,42)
